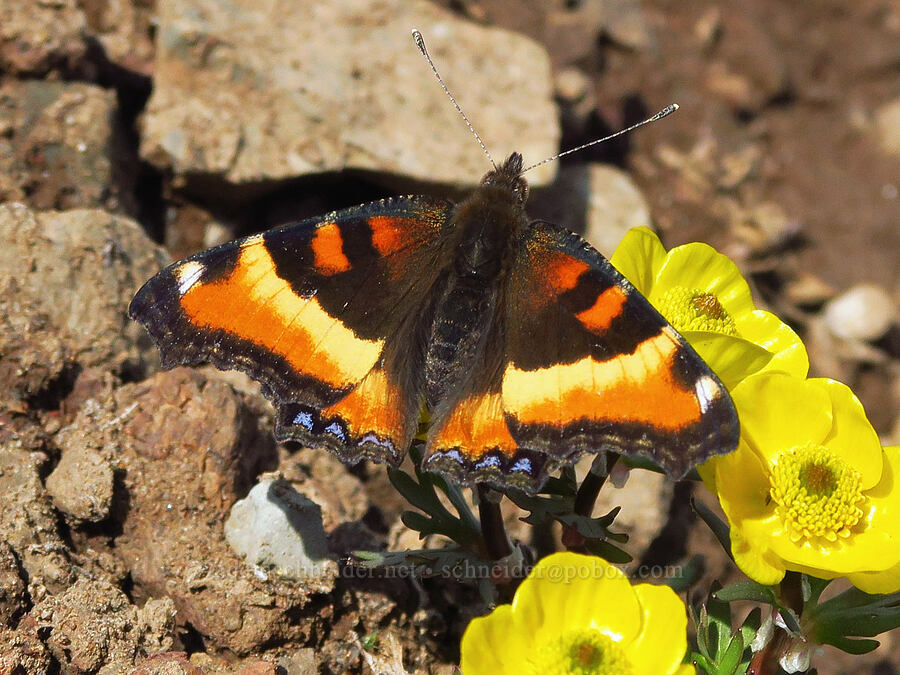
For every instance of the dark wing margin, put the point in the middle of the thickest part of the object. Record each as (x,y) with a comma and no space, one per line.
(319,312)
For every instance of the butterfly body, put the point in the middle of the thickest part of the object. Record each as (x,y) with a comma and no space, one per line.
(526,346)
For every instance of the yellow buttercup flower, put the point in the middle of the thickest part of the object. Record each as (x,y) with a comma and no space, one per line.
(579,615)
(809,488)
(703,295)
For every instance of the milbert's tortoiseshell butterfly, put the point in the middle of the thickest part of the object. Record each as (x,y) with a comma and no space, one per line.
(524,343)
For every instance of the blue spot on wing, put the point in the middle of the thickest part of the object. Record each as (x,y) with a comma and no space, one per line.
(304,419)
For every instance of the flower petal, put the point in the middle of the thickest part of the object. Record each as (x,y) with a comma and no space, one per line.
(578,591)
(757,563)
(779,412)
(638,257)
(742,482)
(490,645)
(852,435)
(768,331)
(662,643)
(700,267)
(731,358)
(887,581)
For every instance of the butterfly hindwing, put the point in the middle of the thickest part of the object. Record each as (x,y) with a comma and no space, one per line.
(323,313)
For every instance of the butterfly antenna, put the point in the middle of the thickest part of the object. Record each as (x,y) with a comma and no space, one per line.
(420,43)
(668,110)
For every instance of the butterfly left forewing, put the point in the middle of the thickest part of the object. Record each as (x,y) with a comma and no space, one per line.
(591,365)
(320,312)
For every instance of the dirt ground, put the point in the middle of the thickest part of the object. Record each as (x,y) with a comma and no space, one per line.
(785,155)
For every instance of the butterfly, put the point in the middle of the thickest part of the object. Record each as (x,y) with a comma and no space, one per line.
(525,346)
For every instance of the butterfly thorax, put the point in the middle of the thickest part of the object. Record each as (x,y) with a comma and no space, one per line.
(485,228)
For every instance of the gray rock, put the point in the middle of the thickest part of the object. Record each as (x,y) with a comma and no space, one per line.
(278,529)
(340,85)
(614,206)
(864,312)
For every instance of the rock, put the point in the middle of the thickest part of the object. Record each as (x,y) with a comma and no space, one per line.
(614,206)
(81,485)
(280,530)
(54,317)
(708,28)
(189,447)
(571,85)
(28,522)
(123,28)
(887,125)
(93,625)
(325,480)
(37,37)
(22,652)
(573,32)
(808,290)
(13,597)
(167,663)
(54,140)
(864,312)
(346,90)
(749,70)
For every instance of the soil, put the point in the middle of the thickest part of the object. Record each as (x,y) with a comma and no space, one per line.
(119,477)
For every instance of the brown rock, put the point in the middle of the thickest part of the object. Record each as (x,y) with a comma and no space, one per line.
(53,154)
(749,71)
(81,485)
(347,90)
(324,479)
(52,315)
(22,652)
(168,663)
(28,522)
(12,587)
(189,447)
(37,37)
(93,624)
(887,125)
(124,27)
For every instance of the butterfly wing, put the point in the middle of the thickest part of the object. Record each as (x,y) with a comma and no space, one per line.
(323,313)
(582,363)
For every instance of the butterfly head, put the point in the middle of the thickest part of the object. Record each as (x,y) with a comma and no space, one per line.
(509,177)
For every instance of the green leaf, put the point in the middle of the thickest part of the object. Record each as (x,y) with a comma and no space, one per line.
(854,614)
(747,590)
(688,575)
(717,525)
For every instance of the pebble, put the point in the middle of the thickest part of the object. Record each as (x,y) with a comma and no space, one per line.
(864,312)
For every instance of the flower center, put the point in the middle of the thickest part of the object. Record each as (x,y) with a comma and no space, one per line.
(693,309)
(584,651)
(816,494)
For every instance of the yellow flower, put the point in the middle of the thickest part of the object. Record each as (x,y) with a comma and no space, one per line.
(703,295)
(578,614)
(809,488)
